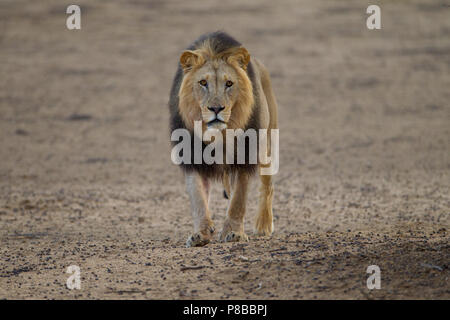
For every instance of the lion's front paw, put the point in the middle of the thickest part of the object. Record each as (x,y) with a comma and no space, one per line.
(234,236)
(200,239)
(229,232)
(197,240)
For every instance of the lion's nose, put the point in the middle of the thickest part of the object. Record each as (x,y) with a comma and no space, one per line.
(216,109)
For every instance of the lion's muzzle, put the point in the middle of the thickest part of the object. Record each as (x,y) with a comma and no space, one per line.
(216,120)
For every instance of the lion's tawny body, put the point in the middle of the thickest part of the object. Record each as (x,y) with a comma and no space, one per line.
(216,79)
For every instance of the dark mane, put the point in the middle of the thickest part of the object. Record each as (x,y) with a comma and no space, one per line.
(219,42)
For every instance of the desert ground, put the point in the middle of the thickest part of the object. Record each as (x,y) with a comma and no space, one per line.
(86,177)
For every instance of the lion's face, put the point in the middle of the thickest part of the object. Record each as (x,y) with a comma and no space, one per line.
(215,89)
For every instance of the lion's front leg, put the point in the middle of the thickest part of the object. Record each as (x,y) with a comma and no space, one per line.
(233,228)
(198,191)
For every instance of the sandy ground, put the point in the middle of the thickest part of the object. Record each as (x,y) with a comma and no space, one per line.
(86,177)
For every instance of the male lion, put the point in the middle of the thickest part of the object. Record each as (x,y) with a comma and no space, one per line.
(219,84)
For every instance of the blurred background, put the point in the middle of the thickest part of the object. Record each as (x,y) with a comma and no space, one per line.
(85,164)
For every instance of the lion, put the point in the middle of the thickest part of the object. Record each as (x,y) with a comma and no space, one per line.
(218,83)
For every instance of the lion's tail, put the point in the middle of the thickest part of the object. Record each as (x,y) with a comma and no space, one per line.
(226,185)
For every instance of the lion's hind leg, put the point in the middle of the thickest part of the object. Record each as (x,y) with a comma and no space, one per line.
(264,220)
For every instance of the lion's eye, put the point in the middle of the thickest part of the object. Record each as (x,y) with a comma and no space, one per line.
(203,82)
(229,83)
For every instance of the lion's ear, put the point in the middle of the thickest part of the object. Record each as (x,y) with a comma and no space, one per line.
(189,59)
(241,56)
